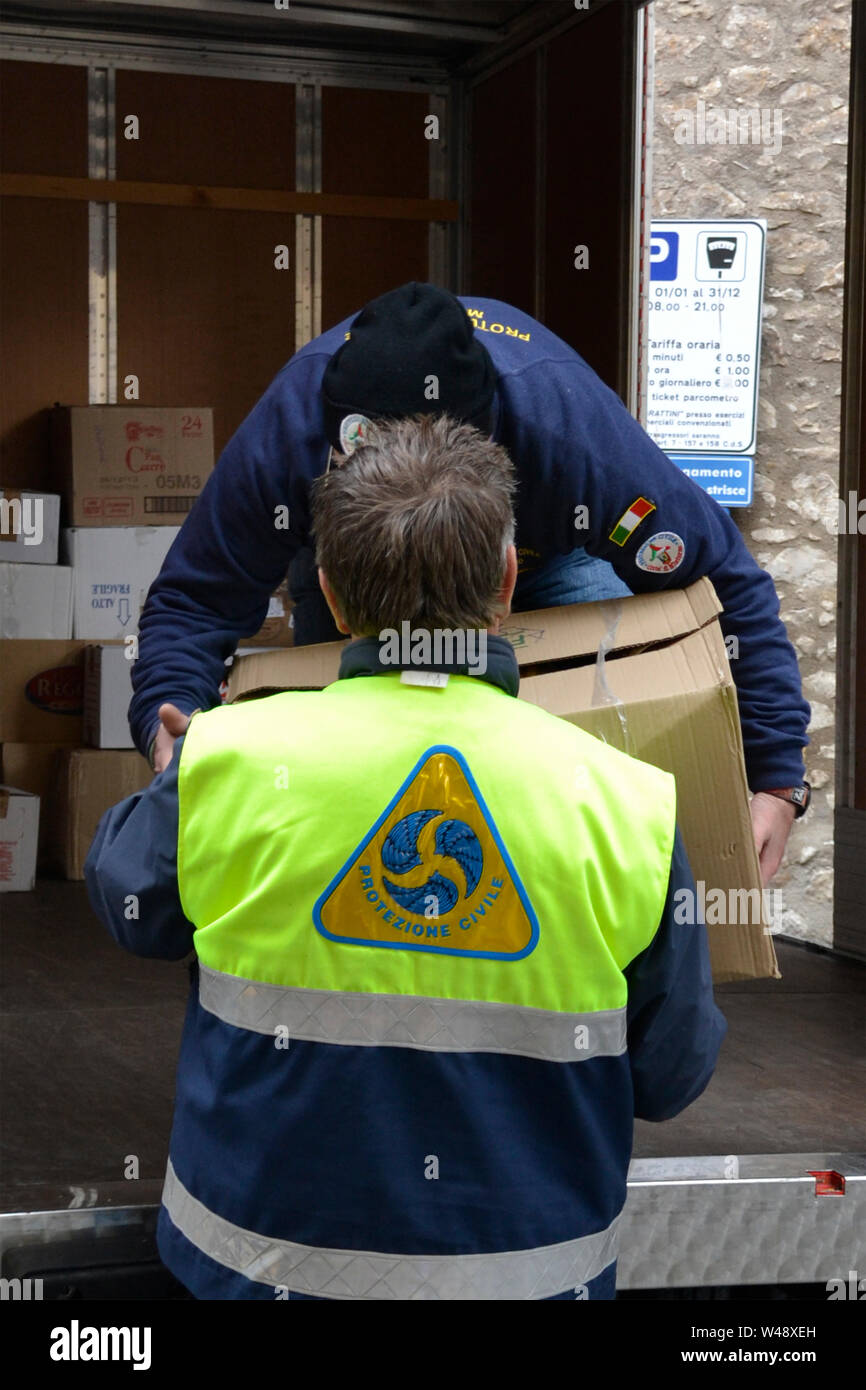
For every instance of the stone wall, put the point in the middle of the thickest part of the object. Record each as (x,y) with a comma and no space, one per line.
(787,56)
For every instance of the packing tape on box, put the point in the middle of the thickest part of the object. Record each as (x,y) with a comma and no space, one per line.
(611,611)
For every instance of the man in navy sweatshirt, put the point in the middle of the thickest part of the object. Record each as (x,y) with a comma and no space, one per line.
(601,512)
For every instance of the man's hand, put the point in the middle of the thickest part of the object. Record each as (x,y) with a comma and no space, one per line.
(173,723)
(772,819)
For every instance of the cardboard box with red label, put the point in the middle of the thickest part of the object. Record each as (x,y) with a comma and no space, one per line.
(33,767)
(127,465)
(41,691)
(19,831)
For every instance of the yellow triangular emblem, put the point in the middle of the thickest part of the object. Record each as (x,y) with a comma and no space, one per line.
(433,873)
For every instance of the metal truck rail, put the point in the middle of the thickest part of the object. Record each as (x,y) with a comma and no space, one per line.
(689,1223)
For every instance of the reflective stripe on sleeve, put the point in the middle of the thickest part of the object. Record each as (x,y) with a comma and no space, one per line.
(396,1020)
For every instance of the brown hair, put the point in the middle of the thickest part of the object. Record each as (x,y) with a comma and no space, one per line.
(414,525)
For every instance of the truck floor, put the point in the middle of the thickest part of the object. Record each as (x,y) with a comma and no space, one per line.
(90,1037)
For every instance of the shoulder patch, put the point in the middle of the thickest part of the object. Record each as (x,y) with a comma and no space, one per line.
(354,431)
(631,520)
(432,874)
(662,553)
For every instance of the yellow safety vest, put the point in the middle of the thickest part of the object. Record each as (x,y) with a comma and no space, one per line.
(378,839)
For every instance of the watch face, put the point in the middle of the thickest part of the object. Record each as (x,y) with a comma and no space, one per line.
(798,794)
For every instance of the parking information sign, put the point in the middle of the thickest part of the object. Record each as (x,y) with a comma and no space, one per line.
(706,289)
(727,477)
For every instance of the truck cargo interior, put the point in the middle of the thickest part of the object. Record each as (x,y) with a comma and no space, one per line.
(151,261)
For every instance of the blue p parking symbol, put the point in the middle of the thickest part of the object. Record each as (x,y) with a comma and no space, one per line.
(664,254)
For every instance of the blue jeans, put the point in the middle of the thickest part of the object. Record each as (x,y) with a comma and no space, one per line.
(573,578)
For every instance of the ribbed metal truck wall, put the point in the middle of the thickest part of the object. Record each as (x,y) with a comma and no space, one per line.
(553,169)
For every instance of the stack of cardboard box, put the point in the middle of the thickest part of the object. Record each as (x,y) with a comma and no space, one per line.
(35,592)
(125,477)
(35,612)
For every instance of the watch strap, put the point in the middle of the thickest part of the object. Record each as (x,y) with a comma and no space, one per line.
(798,797)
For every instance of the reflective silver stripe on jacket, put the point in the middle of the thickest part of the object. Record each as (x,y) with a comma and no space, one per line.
(512,1274)
(397,1020)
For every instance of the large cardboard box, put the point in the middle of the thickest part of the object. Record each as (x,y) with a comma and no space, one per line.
(107,693)
(29,527)
(35,601)
(649,675)
(41,691)
(113,569)
(656,683)
(89,781)
(33,768)
(265,672)
(19,830)
(128,465)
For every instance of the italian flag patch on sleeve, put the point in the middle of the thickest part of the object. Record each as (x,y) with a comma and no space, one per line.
(631,519)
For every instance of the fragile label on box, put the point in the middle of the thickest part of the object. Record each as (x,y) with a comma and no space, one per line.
(113,568)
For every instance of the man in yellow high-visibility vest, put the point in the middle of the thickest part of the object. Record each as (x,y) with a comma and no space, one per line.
(438,965)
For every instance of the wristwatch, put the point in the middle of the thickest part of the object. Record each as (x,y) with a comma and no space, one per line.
(799,797)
